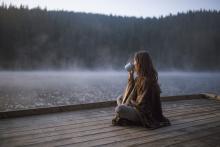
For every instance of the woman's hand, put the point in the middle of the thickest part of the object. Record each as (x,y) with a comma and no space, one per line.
(131,74)
(132,103)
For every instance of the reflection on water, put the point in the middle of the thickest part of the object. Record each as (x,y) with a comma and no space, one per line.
(22,90)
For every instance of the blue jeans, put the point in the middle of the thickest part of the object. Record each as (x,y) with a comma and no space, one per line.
(125,111)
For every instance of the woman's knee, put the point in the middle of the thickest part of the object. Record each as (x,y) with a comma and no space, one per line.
(119,99)
(120,109)
(127,112)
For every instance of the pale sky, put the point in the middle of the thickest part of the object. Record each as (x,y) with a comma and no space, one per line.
(138,8)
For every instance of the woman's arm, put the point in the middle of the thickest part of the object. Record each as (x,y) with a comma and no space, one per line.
(142,96)
(129,87)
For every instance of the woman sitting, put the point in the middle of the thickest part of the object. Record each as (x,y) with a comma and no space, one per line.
(140,104)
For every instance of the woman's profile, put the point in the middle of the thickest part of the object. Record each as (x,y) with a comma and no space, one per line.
(140,103)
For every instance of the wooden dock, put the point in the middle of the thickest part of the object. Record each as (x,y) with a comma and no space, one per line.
(195,122)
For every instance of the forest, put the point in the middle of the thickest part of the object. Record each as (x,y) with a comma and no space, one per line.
(41,39)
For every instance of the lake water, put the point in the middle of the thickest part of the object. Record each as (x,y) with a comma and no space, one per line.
(22,90)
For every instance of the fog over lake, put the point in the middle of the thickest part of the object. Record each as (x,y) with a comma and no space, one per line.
(31,89)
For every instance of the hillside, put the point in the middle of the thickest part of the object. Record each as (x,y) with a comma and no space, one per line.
(41,39)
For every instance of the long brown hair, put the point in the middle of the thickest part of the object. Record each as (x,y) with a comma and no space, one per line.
(145,69)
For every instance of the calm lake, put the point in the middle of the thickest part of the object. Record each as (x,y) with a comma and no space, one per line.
(22,90)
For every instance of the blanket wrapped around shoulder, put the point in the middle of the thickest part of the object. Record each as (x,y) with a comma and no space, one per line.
(147,103)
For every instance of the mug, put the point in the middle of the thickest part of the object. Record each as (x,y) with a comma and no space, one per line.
(129,66)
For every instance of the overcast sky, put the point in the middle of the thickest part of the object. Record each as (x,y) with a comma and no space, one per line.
(138,8)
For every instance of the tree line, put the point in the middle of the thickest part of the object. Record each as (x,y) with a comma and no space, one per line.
(41,39)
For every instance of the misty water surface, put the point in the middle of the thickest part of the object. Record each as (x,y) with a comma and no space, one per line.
(22,90)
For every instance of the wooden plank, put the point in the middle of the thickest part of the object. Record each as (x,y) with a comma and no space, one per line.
(87,114)
(206,141)
(108,127)
(211,96)
(189,134)
(45,110)
(42,122)
(55,117)
(170,114)
(183,97)
(110,137)
(72,132)
(64,108)
(93,121)
(28,123)
(176,113)
(144,137)
(205,137)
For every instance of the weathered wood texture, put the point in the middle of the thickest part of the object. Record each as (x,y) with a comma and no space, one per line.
(195,122)
(66,108)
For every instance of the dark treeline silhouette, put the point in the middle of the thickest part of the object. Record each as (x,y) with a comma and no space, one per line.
(41,39)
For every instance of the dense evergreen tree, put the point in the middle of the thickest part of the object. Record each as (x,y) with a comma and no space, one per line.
(41,39)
